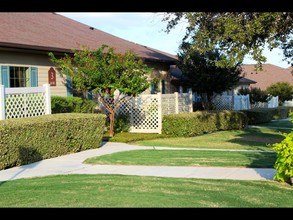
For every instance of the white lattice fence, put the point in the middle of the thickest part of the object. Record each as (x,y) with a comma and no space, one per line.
(24,101)
(223,102)
(169,104)
(228,102)
(185,102)
(146,114)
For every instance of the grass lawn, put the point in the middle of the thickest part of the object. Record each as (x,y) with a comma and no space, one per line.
(278,123)
(248,139)
(188,158)
(134,191)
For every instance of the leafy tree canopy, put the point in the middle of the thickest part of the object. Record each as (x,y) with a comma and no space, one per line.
(237,33)
(283,90)
(203,75)
(103,71)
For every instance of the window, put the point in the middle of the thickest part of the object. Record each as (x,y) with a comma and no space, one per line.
(19,76)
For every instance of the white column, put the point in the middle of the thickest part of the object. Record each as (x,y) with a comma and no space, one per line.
(190,100)
(48,98)
(176,103)
(159,94)
(2,102)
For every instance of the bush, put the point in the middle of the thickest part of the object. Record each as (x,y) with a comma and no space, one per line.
(284,162)
(255,95)
(26,140)
(121,123)
(60,104)
(194,123)
(264,115)
(282,89)
(259,115)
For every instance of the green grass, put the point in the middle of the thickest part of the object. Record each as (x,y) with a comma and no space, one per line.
(188,158)
(248,139)
(134,191)
(278,123)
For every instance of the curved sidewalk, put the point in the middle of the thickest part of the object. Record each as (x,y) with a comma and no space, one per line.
(72,164)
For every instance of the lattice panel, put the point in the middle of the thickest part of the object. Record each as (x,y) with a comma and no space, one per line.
(145,113)
(259,105)
(168,104)
(25,105)
(223,102)
(184,102)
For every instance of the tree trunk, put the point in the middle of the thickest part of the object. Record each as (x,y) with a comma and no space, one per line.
(111,117)
(207,103)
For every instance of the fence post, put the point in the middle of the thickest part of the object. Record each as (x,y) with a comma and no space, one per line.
(248,102)
(176,103)
(191,102)
(160,112)
(47,98)
(2,102)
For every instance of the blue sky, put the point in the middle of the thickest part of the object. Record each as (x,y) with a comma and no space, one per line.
(147,29)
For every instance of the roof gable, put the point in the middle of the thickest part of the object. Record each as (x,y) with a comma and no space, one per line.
(269,75)
(54,32)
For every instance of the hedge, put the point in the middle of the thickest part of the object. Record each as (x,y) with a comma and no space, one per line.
(60,104)
(263,115)
(200,122)
(27,140)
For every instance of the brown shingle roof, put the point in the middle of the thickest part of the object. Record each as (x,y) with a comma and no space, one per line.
(54,32)
(269,75)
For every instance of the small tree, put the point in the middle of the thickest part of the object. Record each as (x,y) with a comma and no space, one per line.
(103,71)
(255,95)
(204,76)
(282,89)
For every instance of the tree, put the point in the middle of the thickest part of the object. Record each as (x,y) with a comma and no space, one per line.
(237,34)
(103,71)
(203,75)
(255,95)
(283,90)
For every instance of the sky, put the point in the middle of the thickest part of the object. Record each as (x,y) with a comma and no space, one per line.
(147,29)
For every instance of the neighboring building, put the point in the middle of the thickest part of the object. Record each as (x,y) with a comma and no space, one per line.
(269,75)
(26,39)
(178,79)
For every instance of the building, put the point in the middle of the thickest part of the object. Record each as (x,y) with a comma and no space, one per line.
(27,38)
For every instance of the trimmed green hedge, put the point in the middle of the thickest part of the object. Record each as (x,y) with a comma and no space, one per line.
(60,104)
(195,123)
(263,115)
(26,140)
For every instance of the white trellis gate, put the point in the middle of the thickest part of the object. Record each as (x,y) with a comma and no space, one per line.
(24,101)
(146,111)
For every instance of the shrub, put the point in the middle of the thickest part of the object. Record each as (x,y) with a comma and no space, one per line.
(259,115)
(263,115)
(255,95)
(121,123)
(282,89)
(26,140)
(60,104)
(284,162)
(194,123)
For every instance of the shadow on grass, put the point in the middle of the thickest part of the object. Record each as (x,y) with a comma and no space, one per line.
(259,138)
(26,157)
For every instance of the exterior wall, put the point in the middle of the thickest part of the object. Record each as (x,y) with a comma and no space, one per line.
(41,61)
(244,86)
(161,71)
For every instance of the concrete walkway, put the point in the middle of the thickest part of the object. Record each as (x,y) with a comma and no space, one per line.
(72,164)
